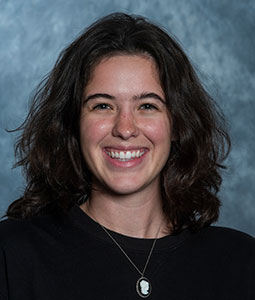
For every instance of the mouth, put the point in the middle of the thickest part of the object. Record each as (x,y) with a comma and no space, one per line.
(125,159)
(125,155)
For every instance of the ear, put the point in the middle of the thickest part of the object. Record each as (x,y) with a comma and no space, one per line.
(173,133)
(174,136)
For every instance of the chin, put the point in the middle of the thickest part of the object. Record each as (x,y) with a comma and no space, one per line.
(124,189)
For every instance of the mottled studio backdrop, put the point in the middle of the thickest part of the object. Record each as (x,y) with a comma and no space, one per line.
(218,36)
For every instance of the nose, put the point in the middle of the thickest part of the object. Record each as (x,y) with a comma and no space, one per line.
(125,126)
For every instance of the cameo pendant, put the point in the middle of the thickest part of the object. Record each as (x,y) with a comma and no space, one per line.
(143,287)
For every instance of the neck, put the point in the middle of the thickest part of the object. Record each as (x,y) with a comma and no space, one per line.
(139,217)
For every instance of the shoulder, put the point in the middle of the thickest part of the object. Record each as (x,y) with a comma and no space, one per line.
(18,232)
(11,229)
(216,239)
(226,234)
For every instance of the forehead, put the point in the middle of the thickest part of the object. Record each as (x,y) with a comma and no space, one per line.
(125,69)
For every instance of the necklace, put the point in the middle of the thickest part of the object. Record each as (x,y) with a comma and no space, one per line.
(143,285)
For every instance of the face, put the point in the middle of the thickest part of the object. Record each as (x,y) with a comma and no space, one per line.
(125,130)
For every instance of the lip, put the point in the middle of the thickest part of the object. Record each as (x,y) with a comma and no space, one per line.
(115,163)
(125,148)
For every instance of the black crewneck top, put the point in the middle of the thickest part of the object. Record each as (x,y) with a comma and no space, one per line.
(86,223)
(71,257)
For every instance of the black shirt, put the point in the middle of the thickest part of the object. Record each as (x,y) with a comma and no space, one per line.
(70,257)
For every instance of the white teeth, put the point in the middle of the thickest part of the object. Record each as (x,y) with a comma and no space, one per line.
(125,156)
(128,155)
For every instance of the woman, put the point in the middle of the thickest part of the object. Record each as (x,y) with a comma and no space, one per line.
(122,151)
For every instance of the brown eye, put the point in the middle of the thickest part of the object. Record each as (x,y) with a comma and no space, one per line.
(148,106)
(101,106)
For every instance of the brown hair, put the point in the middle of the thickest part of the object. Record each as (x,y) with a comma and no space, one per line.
(49,148)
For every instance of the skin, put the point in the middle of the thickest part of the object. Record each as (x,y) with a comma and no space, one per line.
(126,200)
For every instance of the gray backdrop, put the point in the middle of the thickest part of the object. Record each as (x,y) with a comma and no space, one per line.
(217,35)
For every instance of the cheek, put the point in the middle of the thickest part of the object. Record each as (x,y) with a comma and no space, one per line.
(93,131)
(158,131)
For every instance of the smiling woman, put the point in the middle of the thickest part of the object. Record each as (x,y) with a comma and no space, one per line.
(111,135)
(122,151)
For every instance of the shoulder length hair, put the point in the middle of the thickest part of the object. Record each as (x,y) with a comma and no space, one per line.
(49,150)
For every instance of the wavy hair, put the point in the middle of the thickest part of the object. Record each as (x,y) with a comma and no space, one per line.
(49,150)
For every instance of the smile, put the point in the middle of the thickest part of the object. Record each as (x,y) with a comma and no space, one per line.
(125,155)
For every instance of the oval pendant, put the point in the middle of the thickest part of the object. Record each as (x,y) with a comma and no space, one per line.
(143,287)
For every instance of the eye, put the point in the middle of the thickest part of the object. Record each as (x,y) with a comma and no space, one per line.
(149,106)
(101,106)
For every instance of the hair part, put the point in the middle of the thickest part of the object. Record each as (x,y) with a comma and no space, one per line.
(49,150)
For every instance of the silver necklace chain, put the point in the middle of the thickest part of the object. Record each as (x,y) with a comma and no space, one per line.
(143,285)
(153,245)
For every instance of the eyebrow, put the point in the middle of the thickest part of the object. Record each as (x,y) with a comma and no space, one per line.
(136,97)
